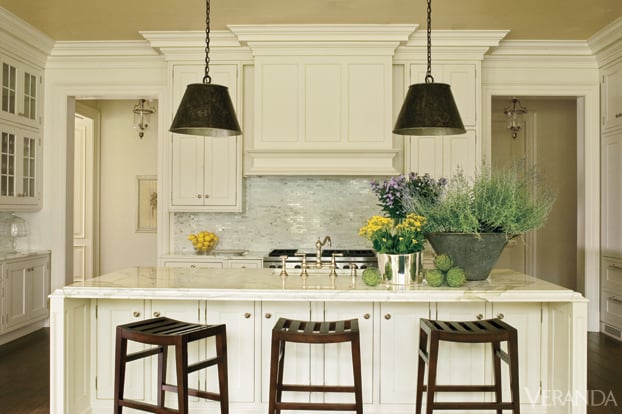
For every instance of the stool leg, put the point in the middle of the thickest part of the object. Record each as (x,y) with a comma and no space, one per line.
(119,374)
(356,370)
(496,363)
(432,364)
(274,374)
(162,362)
(514,385)
(423,345)
(223,386)
(181,360)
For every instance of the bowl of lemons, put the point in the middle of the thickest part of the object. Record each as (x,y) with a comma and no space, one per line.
(203,241)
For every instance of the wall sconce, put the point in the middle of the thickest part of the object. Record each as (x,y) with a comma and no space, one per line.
(514,113)
(142,110)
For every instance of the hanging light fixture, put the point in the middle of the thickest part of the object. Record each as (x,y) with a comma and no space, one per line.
(514,113)
(141,116)
(429,108)
(206,109)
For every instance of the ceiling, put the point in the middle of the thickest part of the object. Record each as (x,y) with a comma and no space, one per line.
(122,19)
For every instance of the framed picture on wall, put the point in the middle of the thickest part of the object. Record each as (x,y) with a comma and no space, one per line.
(147,217)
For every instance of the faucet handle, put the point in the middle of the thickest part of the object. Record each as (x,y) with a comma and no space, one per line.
(283,265)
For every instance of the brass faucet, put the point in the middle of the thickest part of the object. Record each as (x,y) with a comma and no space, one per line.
(318,250)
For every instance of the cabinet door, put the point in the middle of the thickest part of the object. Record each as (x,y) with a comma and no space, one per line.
(8,164)
(612,96)
(527,319)
(109,314)
(188,163)
(20,169)
(399,345)
(21,88)
(221,176)
(240,320)
(337,364)
(297,361)
(39,280)
(611,194)
(461,363)
(16,312)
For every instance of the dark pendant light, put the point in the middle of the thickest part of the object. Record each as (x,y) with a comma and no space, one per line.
(429,108)
(206,109)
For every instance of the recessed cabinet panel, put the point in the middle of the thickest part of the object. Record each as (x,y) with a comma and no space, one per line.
(188,157)
(611,195)
(368,103)
(459,152)
(323,103)
(279,104)
(220,173)
(612,96)
(423,155)
(20,88)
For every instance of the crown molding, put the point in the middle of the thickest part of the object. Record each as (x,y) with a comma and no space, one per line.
(552,48)
(22,39)
(606,44)
(92,48)
(451,44)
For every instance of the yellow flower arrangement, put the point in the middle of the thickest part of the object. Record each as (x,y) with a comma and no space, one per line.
(395,237)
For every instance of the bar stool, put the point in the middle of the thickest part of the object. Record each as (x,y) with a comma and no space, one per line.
(163,332)
(308,332)
(493,331)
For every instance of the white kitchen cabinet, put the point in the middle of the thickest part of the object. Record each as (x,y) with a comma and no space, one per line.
(611,177)
(26,284)
(245,263)
(611,297)
(612,96)
(242,343)
(441,156)
(21,86)
(20,169)
(206,172)
(399,345)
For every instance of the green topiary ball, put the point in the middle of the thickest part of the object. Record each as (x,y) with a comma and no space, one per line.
(371,276)
(434,277)
(443,262)
(455,277)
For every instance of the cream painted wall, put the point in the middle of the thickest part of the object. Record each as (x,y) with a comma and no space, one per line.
(554,150)
(123,157)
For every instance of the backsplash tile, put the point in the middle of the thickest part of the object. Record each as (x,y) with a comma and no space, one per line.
(289,212)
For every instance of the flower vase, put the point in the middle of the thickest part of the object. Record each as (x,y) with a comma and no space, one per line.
(401,269)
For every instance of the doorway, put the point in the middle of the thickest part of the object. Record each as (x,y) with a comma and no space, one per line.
(115,182)
(547,140)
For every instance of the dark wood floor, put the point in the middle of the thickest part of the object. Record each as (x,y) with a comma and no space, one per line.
(24,375)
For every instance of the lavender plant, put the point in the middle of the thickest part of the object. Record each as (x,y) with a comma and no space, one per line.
(391,192)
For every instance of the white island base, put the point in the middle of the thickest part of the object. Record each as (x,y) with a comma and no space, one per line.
(551,323)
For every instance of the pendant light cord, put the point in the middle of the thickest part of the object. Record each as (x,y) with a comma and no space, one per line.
(207,79)
(428,73)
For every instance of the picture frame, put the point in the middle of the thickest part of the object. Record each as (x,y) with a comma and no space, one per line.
(147,203)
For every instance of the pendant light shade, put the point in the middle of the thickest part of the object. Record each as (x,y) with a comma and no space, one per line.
(429,109)
(206,109)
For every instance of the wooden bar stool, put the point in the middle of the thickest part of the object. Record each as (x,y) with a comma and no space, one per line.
(163,332)
(287,330)
(493,331)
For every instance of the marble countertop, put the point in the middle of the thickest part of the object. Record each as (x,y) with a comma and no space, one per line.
(20,254)
(266,284)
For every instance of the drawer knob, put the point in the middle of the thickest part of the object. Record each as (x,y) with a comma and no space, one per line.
(366,316)
(136,314)
(268,315)
(500,316)
(247,315)
(199,196)
(156,314)
(479,316)
(387,316)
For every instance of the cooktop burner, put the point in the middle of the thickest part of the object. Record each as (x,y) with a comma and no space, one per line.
(361,257)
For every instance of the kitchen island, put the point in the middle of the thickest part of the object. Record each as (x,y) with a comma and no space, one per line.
(551,323)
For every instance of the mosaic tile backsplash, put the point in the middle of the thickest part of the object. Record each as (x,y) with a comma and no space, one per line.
(287,212)
(6,244)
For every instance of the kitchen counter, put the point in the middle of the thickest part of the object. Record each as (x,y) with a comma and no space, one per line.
(21,254)
(551,322)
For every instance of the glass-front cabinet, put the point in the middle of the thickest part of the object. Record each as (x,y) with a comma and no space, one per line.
(20,169)
(21,87)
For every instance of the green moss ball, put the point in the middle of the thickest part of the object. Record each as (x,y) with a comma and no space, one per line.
(371,276)
(434,277)
(455,277)
(443,262)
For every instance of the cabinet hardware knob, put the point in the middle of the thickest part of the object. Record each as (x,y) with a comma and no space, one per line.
(614,299)
(387,316)
(198,195)
(268,315)
(479,316)
(206,195)
(136,314)
(366,316)
(247,315)
(500,316)
(193,266)
(156,314)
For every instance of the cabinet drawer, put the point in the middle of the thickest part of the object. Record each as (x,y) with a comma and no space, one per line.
(214,264)
(611,275)
(245,263)
(611,308)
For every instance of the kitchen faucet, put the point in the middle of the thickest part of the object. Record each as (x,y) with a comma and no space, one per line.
(318,250)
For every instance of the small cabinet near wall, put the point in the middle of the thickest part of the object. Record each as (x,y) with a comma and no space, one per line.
(21,92)
(206,172)
(20,168)
(612,96)
(440,156)
(611,203)
(26,284)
